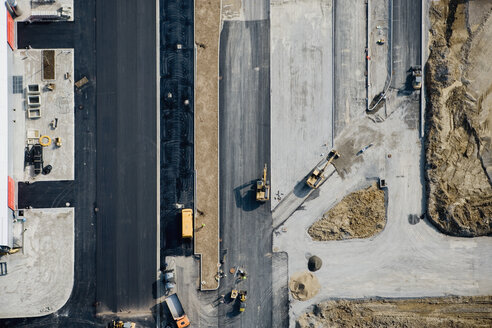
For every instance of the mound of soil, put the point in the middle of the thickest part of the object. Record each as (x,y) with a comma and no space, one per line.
(361,214)
(304,286)
(459,113)
(426,312)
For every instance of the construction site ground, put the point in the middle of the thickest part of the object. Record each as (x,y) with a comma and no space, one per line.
(409,258)
(207,31)
(41,274)
(424,312)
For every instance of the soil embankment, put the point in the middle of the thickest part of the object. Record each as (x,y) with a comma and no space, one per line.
(360,214)
(459,113)
(425,312)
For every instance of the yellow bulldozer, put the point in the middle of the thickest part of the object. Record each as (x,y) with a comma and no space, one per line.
(317,177)
(263,187)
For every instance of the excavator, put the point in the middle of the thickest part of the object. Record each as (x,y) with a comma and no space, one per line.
(317,177)
(263,187)
(121,324)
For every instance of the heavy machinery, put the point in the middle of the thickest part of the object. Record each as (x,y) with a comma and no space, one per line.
(187,223)
(242,300)
(121,324)
(417,77)
(317,177)
(177,311)
(263,187)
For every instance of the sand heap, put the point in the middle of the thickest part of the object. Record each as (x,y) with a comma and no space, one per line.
(459,117)
(361,214)
(304,286)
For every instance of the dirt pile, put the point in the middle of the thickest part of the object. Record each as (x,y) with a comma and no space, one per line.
(304,286)
(361,214)
(426,312)
(459,112)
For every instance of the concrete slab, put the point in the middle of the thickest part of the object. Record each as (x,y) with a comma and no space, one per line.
(56,104)
(301,90)
(422,261)
(40,276)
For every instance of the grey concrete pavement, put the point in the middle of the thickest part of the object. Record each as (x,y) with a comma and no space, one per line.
(349,64)
(405,259)
(301,90)
(244,130)
(126,161)
(41,275)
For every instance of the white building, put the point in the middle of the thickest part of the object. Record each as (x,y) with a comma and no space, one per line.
(8,194)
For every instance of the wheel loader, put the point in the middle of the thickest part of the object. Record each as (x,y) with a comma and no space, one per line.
(317,177)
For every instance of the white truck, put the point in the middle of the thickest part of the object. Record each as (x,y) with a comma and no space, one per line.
(177,311)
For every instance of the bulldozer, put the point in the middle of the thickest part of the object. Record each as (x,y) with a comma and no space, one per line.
(263,187)
(317,177)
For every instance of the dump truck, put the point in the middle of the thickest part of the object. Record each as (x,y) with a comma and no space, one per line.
(187,223)
(263,187)
(417,77)
(317,176)
(177,311)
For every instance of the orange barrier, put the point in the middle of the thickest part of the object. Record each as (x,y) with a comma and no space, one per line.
(11,31)
(11,194)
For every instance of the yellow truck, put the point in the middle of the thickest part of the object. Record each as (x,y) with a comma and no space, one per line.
(187,223)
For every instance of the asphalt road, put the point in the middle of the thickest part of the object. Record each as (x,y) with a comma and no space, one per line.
(406,42)
(126,161)
(177,118)
(244,122)
(81,34)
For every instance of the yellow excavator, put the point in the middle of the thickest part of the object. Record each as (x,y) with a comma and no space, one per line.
(121,324)
(263,187)
(317,177)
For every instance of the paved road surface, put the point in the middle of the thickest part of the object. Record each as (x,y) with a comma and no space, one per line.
(78,312)
(349,66)
(126,161)
(406,41)
(244,148)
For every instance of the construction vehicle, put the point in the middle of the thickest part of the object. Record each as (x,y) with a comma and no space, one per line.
(317,177)
(177,311)
(263,187)
(242,300)
(121,324)
(417,77)
(187,223)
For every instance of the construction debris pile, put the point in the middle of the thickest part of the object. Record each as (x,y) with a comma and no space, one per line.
(304,286)
(361,214)
(425,312)
(459,113)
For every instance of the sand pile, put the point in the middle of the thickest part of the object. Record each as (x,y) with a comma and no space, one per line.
(361,214)
(459,116)
(304,286)
(461,312)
